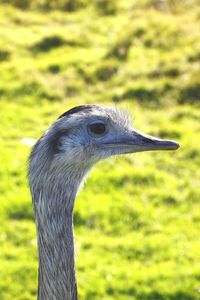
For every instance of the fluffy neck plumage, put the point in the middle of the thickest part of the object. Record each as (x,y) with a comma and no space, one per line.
(57,280)
(53,199)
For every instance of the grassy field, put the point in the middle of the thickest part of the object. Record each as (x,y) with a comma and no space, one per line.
(137,219)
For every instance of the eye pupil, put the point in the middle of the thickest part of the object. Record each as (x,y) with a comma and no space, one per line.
(97,128)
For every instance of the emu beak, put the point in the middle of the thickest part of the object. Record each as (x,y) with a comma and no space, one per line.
(139,142)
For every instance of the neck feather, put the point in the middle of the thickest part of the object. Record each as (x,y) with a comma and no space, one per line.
(53,204)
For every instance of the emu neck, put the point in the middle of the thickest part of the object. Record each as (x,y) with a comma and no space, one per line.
(54,222)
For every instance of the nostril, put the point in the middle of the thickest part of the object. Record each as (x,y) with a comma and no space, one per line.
(147,140)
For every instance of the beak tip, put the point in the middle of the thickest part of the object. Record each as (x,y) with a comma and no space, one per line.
(169,145)
(176,146)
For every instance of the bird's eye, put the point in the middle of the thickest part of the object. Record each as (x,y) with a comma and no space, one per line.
(97,128)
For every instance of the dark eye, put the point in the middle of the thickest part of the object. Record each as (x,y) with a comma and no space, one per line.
(97,128)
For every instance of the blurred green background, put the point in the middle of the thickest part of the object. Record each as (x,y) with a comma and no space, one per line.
(137,219)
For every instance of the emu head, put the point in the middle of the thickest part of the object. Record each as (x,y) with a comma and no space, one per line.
(84,135)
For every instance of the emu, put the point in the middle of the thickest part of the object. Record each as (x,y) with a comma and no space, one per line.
(59,162)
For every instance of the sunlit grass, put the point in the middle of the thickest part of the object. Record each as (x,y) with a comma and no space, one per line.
(137,218)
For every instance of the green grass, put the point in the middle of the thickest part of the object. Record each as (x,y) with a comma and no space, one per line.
(137,218)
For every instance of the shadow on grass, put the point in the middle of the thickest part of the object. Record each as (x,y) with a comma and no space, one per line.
(4,55)
(48,43)
(106,70)
(154,295)
(140,93)
(55,41)
(190,94)
(20,211)
(54,68)
(78,219)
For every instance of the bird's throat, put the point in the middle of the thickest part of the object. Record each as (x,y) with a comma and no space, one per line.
(53,197)
(54,222)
